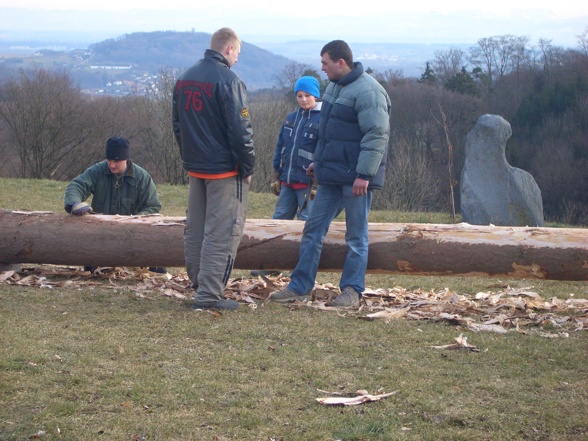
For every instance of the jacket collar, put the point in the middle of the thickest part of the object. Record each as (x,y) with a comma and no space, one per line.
(316,108)
(129,172)
(211,53)
(353,75)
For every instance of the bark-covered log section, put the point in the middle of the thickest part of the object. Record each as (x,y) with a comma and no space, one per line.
(420,249)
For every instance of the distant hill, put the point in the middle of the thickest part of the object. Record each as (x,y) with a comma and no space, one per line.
(129,63)
(149,51)
(256,66)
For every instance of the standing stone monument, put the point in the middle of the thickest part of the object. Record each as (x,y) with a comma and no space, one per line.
(492,191)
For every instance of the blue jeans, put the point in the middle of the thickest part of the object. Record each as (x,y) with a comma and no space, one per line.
(328,203)
(289,203)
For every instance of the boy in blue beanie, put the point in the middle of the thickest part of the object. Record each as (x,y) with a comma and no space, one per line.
(295,151)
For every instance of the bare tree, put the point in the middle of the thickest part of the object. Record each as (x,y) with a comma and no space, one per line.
(43,115)
(103,117)
(288,76)
(50,129)
(497,56)
(390,78)
(156,134)
(410,185)
(583,42)
(448,63)
(266,117)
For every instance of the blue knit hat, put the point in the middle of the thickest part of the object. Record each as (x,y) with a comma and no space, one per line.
(309,85)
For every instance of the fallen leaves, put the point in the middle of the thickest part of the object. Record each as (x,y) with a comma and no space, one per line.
(502,310)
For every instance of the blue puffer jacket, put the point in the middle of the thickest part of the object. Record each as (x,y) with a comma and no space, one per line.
(353,132)
(296,143)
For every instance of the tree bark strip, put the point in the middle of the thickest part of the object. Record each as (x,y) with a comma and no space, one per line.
(418,249)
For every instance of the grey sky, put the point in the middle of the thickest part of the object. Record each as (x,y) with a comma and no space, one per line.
(425,21)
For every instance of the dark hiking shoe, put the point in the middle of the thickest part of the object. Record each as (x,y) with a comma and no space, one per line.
(224,304)
(158,269)
(349,298)
(271,273)
(286,295)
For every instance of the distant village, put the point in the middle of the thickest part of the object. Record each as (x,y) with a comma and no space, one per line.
(113,79)
(138,84)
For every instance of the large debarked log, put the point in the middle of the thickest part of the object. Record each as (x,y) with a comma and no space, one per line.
(420,249)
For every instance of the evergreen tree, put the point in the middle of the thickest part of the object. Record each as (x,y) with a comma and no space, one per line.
(462,82)
(428,76)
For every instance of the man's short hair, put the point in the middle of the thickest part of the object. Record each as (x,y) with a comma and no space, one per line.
(223,38)
(338,49)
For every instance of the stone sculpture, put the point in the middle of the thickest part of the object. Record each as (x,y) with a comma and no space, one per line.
(491,190)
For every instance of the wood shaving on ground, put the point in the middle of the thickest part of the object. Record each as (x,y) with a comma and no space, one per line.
(361,397)
(461,342)
(500,310)
(27,213)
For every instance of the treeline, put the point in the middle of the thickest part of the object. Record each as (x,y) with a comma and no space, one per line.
(50,129)
(541,90)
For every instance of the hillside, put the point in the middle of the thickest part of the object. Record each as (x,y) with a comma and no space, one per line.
(149,51)
(129,63)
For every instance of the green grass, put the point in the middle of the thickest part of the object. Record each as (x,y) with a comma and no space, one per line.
(99,362)
(77,364)
(46,195)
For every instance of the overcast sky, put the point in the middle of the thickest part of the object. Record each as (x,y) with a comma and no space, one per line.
(419,21)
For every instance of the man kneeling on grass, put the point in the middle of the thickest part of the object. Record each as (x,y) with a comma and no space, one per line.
(117,186)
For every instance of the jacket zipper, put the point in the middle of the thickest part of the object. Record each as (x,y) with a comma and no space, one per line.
(294,143)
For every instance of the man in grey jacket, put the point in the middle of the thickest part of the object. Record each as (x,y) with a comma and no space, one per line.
(212,126)
(349,162)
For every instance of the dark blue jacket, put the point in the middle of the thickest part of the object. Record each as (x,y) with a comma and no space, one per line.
(354,130)
(211,119)
(296,143)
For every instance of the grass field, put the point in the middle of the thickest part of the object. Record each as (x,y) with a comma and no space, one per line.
(91,359)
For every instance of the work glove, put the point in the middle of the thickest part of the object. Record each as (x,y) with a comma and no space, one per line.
(276,186)
(80,208)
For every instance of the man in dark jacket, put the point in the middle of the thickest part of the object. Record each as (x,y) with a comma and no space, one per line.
(349,162)
(117,186)
(213,130)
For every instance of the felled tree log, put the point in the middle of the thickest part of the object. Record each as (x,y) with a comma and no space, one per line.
(420,249)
